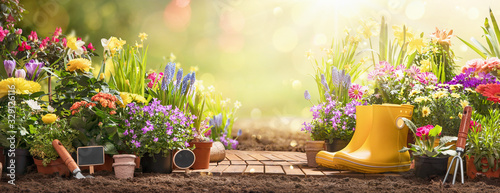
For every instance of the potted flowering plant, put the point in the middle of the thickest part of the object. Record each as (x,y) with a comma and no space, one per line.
(46,157)
(154,131)
(429,160)
(483,145)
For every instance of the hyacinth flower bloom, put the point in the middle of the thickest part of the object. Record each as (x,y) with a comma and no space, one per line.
(9,66)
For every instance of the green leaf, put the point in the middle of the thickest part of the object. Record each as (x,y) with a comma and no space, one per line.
(435,131)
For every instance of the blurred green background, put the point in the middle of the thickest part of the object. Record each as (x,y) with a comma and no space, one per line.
(252,51)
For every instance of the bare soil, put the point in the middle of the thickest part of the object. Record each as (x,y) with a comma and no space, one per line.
(274,135)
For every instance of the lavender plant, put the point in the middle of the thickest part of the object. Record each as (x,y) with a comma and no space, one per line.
(155,128)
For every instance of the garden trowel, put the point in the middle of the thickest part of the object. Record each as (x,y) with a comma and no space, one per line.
(68,160)
(462,138)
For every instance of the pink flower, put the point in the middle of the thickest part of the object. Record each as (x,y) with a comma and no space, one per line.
(492,64)
(19,31)
(154,79)
(385,68)
(427,78)
(373,75)
(91,47)
(33,36)
(44,43)
(474,63)
(356,91)
(413,71)
(3,33)
(423,132)
(64,41)
(57,33)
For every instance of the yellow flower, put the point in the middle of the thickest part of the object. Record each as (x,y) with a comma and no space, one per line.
(416,44)
(440,94)
(80,64)
(113,44)
(49,118)
(143,36)
(368,28)
(425,65)
(194,69)
(455,95)
(129,97)
(400,34)
(75,45)
(464,103)
(460,115)
(431,87)
(419,99)
(138,45)
(309,54)
(19,85)
(426,111)
(101,77)
(414,92)
(172,57)
(451,117)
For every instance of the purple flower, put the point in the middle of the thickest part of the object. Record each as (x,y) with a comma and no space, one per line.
(179,77)
(9,66)
(20,73)
(168,75)
(307,96)
(185,83)
(125,133)
(33,69)
(234,143)
(156,139)
(175,139)
(186,144)
(193,78)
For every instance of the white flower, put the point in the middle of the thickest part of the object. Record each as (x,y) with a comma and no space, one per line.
(50,109)
(104,43)
(211,89)
(237,104)
(33,105)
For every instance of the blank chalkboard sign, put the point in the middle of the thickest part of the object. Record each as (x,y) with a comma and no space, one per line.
(90,155)
(184,159)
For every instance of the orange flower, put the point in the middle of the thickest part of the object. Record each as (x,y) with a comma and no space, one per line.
(442,37)
(112,112)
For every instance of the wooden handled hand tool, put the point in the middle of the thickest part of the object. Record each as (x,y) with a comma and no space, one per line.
(460,146)
(68,160)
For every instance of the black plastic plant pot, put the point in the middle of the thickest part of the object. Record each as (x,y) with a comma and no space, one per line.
(336,145)
(430,166)
(20,159)
(157,163)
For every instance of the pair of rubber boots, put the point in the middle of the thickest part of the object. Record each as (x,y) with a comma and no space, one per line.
(374,148)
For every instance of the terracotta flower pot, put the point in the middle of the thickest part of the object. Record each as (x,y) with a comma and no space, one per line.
(312,148)
(472,170)
(202,154)
(336,145)
(55,166)
(124,165)
(217,152)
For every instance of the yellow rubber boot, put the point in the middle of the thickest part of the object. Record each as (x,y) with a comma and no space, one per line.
(380,151)
(325,158)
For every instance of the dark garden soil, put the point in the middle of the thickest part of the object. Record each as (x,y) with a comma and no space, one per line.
(273,136)
(195,182)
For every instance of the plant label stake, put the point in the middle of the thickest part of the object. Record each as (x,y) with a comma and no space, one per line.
(183,159)
(90,156)
(462,138)
(68,160)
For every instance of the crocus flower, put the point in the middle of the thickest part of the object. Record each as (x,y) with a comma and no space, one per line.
(9,66)
(20,73)
(33,69)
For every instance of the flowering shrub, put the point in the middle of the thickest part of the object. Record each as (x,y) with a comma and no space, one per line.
(424,141)
(332,120)
(483,140)
(155,128)
(97,122)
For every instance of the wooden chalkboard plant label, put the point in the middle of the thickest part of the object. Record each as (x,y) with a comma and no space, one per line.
(90,156)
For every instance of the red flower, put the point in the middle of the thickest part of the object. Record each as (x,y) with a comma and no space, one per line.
(24,46)
(492,91)
(57,32)
(33,36)
(474,126)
